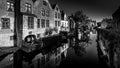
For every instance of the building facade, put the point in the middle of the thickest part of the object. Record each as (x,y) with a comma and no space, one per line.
(57,17)
(116,19)
(37,16)
(6,23)
(29,19)
(43,10)
(64,22)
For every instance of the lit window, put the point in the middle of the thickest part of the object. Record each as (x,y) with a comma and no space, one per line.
(47,23)
(42,23)
(43,12)
(38,23)
(30,22)
(10,6)
(28,7)
(5,23)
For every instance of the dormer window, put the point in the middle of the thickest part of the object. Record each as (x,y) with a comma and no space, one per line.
(10,6)
(28,7)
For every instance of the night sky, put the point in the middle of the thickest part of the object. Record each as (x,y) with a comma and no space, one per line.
(95,9)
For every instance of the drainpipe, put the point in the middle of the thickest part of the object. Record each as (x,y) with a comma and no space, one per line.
(17,62)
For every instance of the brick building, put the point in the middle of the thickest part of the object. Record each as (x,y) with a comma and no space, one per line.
(6,22)
(36,17)
(43,10)
(64,22)
(57,17)
(116,19)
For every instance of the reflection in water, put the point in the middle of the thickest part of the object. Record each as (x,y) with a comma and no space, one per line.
(57,56)
(80,49)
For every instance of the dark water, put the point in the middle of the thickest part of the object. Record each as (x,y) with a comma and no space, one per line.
(83,56)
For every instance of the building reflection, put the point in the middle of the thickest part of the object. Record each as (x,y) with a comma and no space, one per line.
(48,59)
(51,58)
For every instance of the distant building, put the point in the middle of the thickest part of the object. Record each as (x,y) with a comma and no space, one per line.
(43,10)
(57,17)
(116,18)
(71,24)
(64,22)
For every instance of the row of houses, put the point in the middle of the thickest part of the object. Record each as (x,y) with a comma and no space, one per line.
(37,17)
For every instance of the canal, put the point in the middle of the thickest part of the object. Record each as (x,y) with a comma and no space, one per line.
(83,55)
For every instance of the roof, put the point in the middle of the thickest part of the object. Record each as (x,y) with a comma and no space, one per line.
(62,14)
(34,0)
(116,14)
(53,6)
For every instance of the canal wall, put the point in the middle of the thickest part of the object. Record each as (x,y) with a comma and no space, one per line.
(108,41)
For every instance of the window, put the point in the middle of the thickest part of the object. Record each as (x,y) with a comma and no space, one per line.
(28,7)
(56,60)
(38,63)
(47,57)
(42,23)
(10,6)
(43,60)
(38,23)
(5,23)
(55,14)
(47,13)
(38,35)
(59,15)
(56,23)
(47,23)
(45,3)
(57,9)
(30,22)
(11,37)
(43,12)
